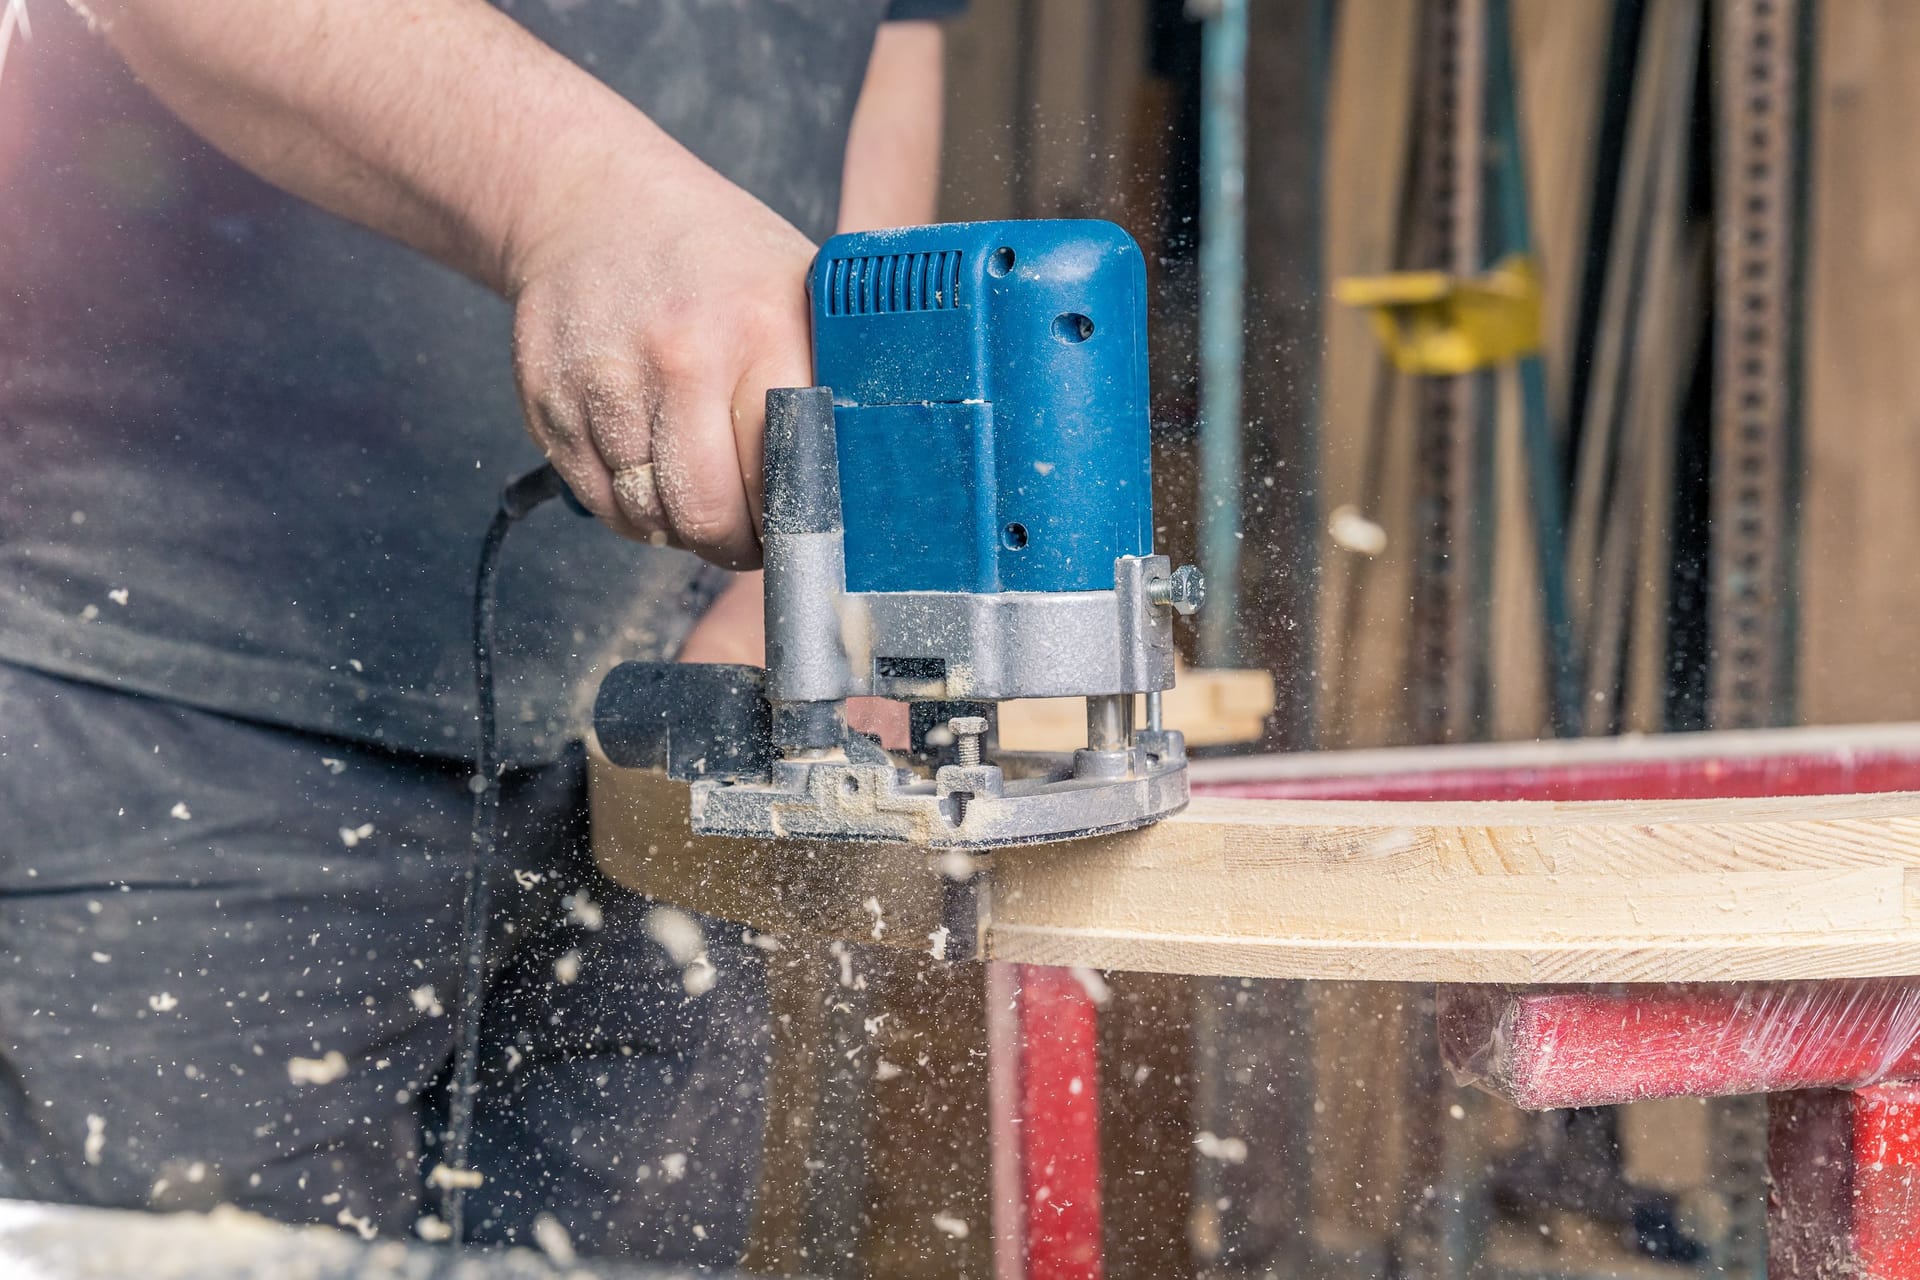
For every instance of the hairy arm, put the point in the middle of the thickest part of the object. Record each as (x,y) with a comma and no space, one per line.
(439,122)
(446,125)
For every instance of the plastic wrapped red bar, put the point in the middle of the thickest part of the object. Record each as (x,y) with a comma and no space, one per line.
(1546,1047)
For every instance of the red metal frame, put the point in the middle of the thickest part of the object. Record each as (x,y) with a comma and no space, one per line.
(1043,1041)
(1886,1181)
(1791,765)
(1684,780)
(1846,1165)
(1845,1199)
(1060,1144)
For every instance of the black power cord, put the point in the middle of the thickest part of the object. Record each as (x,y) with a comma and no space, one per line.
(517,500)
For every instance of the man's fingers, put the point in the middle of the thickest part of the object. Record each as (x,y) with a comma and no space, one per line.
(570,406)
(637,490)
(655,414)
(622,411)
(564,431)
(697,470)
(559,427)
(793,368)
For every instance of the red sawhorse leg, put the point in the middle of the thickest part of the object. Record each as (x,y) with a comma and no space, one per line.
(1843,1149)
(1044,1081)
(1845,1200)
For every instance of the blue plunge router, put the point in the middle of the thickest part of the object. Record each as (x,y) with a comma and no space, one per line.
(960,514)
(990,393)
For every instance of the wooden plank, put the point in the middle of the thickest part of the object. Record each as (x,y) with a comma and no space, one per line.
(1211,707)
(1560,54)
(981,98)
(891,894)
(1648,675)
(1859,613)
(1516,637)
(1362,624)
(1792,887)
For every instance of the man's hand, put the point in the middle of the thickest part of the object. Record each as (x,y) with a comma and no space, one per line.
(649,323)
(656,302)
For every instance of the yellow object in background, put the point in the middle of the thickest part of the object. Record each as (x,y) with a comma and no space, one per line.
(1439,324)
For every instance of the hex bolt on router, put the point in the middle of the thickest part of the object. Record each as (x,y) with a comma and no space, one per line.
(967,731)
(1184,591)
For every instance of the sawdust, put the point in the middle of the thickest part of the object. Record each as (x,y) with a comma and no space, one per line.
(322,1070)
(584,911)
(1225,1150)
(554,1240)
(699,976)
(1093,984)
(678,933)
(42,1242)
(361,1227)
(446,1177)
(685,943)
(1353,531)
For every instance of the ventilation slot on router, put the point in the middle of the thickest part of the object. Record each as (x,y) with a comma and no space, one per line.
(884,284)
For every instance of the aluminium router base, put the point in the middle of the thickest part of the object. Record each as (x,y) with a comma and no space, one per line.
(1037,798)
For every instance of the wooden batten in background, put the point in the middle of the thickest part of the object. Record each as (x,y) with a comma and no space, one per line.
(1859,614)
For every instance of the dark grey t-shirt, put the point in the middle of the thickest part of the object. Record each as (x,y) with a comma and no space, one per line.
(247,450)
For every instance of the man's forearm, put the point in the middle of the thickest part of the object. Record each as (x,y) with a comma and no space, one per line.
(892,173)
(441,123)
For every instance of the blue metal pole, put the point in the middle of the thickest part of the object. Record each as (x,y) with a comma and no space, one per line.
(1223,242)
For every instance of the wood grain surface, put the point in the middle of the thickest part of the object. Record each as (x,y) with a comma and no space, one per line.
(1859,607)
(1698,890)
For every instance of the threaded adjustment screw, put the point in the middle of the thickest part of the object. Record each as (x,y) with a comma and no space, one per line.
(1182,592)
(967,732)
